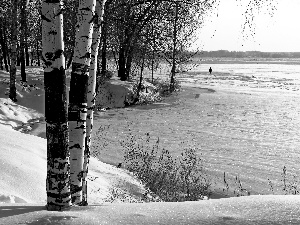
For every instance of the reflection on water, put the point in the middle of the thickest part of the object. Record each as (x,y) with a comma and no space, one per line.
(249,127)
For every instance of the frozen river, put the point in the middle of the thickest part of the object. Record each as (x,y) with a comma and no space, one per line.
(245,123)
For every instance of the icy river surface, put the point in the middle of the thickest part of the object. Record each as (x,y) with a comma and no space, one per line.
(244,118)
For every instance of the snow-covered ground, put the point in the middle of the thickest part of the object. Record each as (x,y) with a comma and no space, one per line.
(23,156)
(23,175)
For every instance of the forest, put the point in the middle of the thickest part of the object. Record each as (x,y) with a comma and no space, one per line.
(248,54)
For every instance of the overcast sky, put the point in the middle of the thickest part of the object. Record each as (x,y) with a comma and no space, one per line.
(278,33)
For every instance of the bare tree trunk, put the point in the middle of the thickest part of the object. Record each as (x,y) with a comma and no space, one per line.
(153,53)
(104,43)
(22,39)
(38,53)
(7,50)
(173,71)
(91,95)
(56,114)
(78,95)
(122,64)
(32,58)
(129,57)
(14,39)
(26,34)
(3,43)
(1,58)
(141,75)
(18,55)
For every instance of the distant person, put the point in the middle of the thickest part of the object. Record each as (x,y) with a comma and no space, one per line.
(210,70)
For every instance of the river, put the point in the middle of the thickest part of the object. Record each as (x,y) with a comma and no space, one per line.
(244,119)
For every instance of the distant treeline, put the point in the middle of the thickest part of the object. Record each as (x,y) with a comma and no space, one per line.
(248,54)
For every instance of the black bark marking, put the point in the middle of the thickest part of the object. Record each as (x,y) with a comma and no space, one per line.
(94,19)
(53,56)
(75,188)
(53,32)
(85,9)
(74,115)
(79,86)
(86,56)
(75,146)
(45,18)
(49,55)
(55,96)
(82,126)
(80,121)
(58,53)
(79,176)
(87,151)
(52,1)
(60,195)
(61,11)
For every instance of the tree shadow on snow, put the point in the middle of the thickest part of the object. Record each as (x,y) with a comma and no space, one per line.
(51,220)
(6,211)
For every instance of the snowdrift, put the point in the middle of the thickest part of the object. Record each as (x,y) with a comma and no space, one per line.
(243,210)
(23,168)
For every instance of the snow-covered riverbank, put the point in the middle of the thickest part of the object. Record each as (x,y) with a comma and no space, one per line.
(23,169)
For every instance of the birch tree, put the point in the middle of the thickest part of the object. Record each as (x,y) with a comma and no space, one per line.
(78,95)
(58,156)
(14,39)
(91,94)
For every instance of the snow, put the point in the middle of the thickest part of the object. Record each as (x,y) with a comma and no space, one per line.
(23,175)
(243,210)
(23,156)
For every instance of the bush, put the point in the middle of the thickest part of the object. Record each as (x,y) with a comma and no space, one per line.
(147,94)
(173,180)
(102,77)
(163,86)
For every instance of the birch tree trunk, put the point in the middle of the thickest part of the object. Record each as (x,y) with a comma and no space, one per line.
(14,39)
(58,155)
(91,94)
(78,95)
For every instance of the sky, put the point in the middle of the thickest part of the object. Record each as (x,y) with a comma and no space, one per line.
(280,33)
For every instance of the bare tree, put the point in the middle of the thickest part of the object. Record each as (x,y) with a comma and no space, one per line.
(78,95)
(14,39)
(91,94)
(58,155)
(23,38)
(3,42)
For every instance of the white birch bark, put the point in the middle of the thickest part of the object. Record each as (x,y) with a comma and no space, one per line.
(78,95)
(91,95)
(58,156)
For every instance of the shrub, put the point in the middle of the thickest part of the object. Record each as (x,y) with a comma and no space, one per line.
(290,185)
(163,86)
(102,77)
(147,94)
(181,179)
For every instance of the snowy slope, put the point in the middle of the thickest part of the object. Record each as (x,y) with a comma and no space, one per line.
(23,172)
